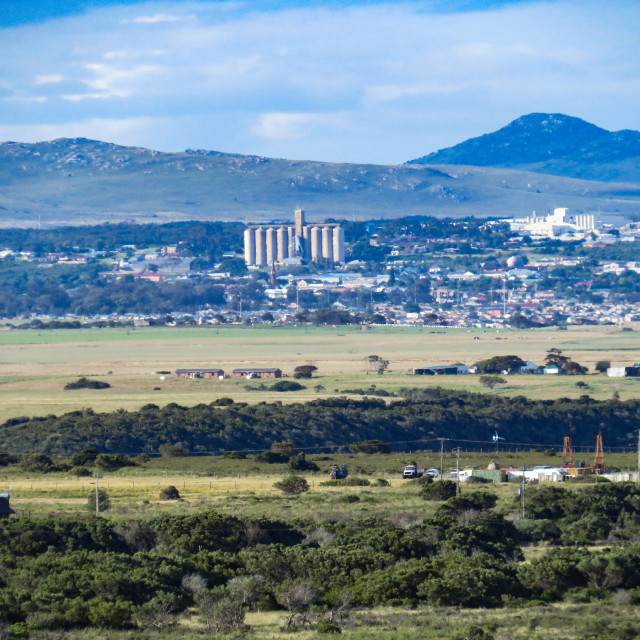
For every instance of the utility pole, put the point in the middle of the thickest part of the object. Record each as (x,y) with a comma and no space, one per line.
(522,490)
(97,497)
(441,457)
(638,479)
(457,471)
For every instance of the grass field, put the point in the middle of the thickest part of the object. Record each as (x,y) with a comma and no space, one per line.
(35,365)
(245,487)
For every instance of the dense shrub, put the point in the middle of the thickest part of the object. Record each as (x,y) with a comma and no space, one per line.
(369,446)
(7,458)
(300,463)
(292,485)
(270,457)
(286,385)
(80,472)
(113,461)
(39,462)
(170,493)
(84,457)
(85,383)
(440,490)
(222,402)
(347,482)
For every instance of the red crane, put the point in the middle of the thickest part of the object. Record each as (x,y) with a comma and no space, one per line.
(598,463)
(567,454)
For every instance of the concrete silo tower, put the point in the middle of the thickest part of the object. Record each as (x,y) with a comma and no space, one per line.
(249,246)
(338,244)
(327,243)
(261,249)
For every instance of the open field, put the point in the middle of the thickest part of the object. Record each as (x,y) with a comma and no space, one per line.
(244,488)
(561,620)
(35,365)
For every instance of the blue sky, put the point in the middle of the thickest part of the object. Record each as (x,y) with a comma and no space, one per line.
(336,80)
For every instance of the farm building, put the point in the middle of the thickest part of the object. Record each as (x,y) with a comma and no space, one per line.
(200,373)
(256,373)
(442,370)
(529,367)
(5,509)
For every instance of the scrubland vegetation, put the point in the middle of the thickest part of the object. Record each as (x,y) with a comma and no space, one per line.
(201,547)
(257,542)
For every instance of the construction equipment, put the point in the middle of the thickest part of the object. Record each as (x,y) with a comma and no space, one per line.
(567,454)
(338,472)
(580,468)
(598,463)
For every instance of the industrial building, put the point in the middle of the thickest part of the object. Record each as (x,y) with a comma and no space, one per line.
(266,245)
(555,224)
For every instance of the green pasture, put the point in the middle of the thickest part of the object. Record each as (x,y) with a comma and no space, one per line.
(36,364)
(244,487)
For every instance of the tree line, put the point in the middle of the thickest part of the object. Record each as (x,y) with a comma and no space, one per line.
(417,415)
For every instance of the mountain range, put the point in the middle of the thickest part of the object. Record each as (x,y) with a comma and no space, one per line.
(537,162)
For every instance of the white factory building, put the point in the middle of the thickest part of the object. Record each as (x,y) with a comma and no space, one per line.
(268,244)
(555,224)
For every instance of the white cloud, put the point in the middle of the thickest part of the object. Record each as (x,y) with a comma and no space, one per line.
(294,126)
(19,98)
(162,17)
(112,82)
(48,79)
(127,131)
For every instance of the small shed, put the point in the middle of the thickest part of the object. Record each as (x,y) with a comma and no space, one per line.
(495,475)
(257,372)
(623,372)
(5,509)
(199,373)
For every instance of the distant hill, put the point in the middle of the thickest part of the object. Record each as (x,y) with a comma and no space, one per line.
(550,143)
(79,181)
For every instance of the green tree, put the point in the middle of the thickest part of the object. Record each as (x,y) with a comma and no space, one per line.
(304,371)
(500,364)
(491,381)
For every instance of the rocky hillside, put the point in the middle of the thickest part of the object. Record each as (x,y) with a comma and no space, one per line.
(550,143)
(75,181)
